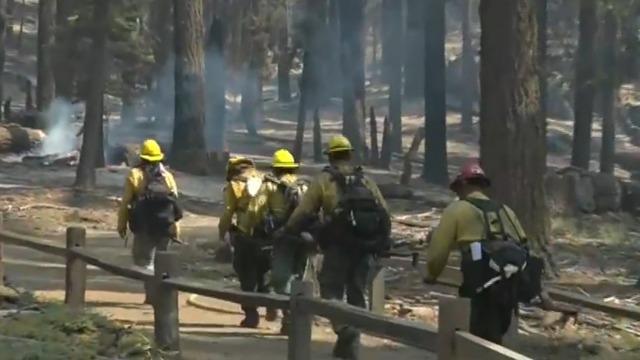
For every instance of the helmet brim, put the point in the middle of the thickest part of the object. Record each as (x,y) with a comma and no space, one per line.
(285,166)
(152,158)
(337,149)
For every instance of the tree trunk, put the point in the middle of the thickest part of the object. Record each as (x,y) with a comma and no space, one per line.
(284,64)
(45,91)
(608,90)
(542,18)
(3,32)
(86,171)
(216,86)
(512,132)
(251,106)
(317,137)
(302,106)
(352,60)
(188,151)
(129,111)
(374,158)
(393,10)
(334,41)
(414,72)
(584,84)
(469,76)
(435,168)
(163,87)
(66,39)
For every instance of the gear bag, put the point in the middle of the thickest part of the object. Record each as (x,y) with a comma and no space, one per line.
(292,193)
(359,220)
(505,268)
(156,208)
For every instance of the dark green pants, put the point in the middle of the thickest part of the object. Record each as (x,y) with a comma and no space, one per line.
(251,263)
(289,262)
(144,252)
(344,271)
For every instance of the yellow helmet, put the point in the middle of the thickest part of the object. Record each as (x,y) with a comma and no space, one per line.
(151,151)
(283,159)
(339,143)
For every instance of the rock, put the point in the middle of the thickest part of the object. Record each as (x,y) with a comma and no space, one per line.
(9,295)
(607,192)
(570,190)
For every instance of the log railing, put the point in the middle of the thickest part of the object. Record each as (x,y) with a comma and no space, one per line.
(450,341)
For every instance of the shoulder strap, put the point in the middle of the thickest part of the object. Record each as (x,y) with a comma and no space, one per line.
(487,206)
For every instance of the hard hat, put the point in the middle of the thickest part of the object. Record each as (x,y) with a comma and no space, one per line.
(470,171)
(339,143)
(151,151)
(283,159)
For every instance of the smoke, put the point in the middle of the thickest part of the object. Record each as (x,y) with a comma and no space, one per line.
(61,135)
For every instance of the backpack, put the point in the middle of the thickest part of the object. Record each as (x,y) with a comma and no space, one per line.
(155,209)
(292,193)
(359,220)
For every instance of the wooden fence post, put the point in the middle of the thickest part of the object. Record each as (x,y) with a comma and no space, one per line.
(76,270)
(1,252)
(301,322)
(377,291)
(453,315)
(165,303)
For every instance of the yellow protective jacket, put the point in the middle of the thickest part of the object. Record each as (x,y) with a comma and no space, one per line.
(460,225)
(323,195)
(277,204)
(248,210)
(133,187)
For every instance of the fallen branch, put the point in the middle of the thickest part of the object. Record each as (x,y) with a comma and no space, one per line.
(412,223)
(45,206)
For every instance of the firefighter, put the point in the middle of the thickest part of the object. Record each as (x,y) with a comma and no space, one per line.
(469,224)
(356,231)
(245,199)
(284,190)
(149,206)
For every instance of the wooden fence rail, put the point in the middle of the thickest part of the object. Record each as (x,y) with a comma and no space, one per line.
(449,341)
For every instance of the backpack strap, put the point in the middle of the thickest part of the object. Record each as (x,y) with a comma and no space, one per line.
(488,206)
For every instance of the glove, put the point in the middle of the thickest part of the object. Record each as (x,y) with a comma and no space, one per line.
(122,231)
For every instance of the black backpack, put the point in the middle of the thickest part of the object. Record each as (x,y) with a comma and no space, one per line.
(359,220)
(155,209)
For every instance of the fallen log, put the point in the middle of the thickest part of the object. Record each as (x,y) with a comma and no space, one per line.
(17,139)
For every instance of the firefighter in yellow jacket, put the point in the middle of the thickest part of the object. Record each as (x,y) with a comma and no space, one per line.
(356,231)
(467,224)
(245,198)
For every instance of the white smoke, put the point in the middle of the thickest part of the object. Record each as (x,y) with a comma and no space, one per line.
(61,134)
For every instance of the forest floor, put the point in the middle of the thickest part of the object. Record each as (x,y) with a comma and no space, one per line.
(598,255)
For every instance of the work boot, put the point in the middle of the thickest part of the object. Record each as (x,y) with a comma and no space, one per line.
(251,319)
(347,345)
(272,314)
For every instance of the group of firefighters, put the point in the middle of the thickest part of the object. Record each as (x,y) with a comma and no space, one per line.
(274,222)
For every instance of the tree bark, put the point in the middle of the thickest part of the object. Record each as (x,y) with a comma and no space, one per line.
(435,169)
(542,19)
(393,11)
(89,153)
(188,150)
(414,72)
(584,84)
(469,75)
(374,158)
(317,137)
(284,64)
(216,80)
(609,85)
(334,42)
(3,32)
(163,85)
(45,91)
(352,60)
(129,111)
(512,132)
(251,106)
(302,105)
(66,39)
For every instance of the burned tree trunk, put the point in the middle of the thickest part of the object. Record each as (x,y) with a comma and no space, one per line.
(45,91)
(584,84)
(352,60)
(385,153)
(317,137)
(284,65)
(160,15)
(302,106)
(414,71)
(86,171)
(216,78)
(188,150)
(374,158)
(609,85)
(542,18)
(435,169)
(393,11)
(334,53)
(468,69)
(66,39)
(3,32)
(512,132)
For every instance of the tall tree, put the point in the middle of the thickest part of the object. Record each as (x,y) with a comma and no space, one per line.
(66,38)
(542,19)
(284,58)
(469,75)
(584,84)
(160,23)
(216,80)
(393,45)
(90,151)
(609,85)
(45,92)
(435,169)
(414,49)
(3,32)
(352,62)
(512,132)
(188,150)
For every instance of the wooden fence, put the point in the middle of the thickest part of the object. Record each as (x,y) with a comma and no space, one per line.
(451,340)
